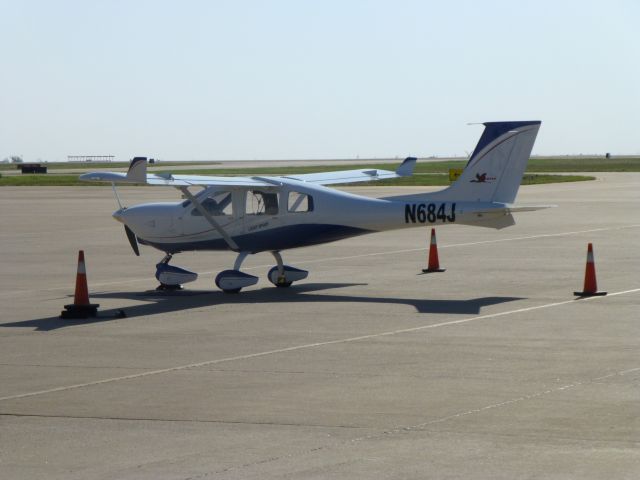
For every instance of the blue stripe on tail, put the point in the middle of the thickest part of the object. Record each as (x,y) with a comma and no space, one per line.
(493,130)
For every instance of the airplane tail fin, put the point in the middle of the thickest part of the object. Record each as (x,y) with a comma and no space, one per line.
(137,170)
(495,169)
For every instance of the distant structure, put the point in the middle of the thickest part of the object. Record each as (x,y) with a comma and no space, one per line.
(32,168)
(12,159)
(90,158)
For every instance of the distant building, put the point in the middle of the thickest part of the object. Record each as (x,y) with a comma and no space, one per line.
(90,158)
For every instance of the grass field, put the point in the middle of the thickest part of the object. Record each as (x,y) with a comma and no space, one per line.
(584,164)
(92,165)
(535,165)
(424,179)
(426,172)
(566,164)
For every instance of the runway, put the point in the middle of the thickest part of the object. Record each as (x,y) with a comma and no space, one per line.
(367,369)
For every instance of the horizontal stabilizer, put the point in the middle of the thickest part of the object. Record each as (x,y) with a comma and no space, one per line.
(529,208)
(497,216)
(355,176)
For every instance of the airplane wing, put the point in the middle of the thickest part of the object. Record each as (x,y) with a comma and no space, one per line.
(137,173)
(175,180)
(354,176)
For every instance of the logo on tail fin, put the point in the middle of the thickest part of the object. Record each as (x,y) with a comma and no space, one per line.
(482,178)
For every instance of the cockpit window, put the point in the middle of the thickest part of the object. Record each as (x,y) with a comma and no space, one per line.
(299,202)
(196,191)
(217,203)
(261,203)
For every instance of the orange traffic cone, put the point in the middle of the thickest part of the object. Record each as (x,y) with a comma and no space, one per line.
(434,263)
(80,308)
(590,284)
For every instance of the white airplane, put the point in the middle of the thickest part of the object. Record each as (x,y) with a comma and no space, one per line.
(256,214)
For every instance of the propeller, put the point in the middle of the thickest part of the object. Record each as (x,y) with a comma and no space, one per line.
(132,240)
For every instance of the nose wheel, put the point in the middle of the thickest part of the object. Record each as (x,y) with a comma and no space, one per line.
(170,277)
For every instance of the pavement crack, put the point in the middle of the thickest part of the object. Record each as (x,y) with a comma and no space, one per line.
(90,367)
(181,420)
(421,427)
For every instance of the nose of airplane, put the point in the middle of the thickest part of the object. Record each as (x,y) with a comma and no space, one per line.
(131,217)
(118,215)
(146,219)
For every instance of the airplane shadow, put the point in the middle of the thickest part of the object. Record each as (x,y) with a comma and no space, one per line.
(165,302)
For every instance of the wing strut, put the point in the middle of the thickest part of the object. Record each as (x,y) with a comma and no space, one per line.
(233,245)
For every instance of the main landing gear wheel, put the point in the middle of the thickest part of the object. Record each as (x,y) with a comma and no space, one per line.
(232,281)
(278,280)
(282,276)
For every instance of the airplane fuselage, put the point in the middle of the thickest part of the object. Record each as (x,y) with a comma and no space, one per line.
(293,215)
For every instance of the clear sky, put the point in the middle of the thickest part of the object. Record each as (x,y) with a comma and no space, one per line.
(298,79)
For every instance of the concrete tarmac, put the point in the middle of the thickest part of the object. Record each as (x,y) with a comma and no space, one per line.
(367,369)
